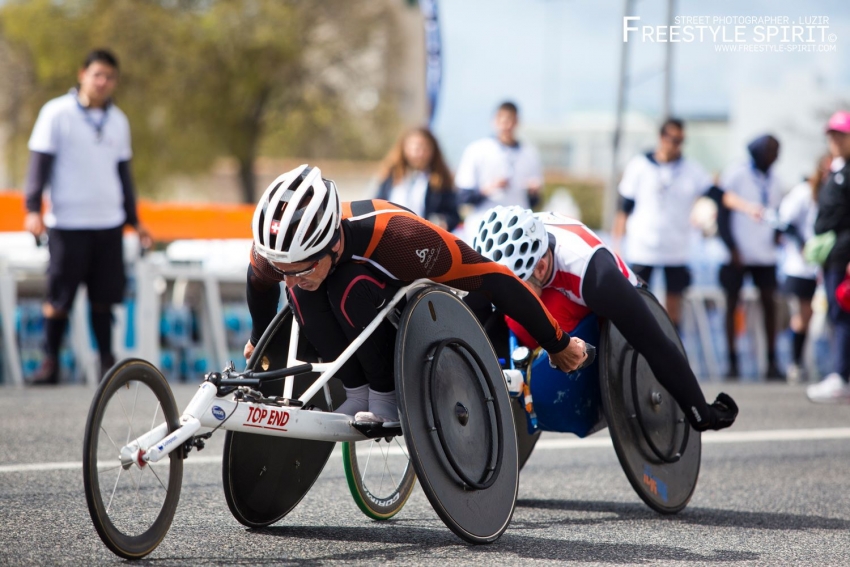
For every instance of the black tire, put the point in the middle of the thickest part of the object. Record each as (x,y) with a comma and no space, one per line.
(380,476)
(131,509)
(265,477)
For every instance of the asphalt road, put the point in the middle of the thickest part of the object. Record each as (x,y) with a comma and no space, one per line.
(766,496)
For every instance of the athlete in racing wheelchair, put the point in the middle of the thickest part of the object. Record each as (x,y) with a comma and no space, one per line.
(341,262)
(575,274)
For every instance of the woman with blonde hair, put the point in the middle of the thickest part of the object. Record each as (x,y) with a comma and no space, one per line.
(415,176)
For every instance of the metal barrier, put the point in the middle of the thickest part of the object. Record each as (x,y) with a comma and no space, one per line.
(209,271)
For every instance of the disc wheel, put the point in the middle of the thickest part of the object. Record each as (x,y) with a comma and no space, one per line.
(655,445)
(380,476)
(265,477)
(456,416)
(132,508)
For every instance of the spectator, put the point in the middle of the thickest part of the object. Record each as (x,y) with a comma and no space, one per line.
(80,146)
(657,193)
(499,170)
(797,213)
(415,176)
(834,215)
(752,245)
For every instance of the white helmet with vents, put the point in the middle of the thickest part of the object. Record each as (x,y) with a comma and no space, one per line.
(513,237)
(298,217)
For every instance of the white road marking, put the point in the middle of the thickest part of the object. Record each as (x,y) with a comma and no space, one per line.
(714,437)
(42,467)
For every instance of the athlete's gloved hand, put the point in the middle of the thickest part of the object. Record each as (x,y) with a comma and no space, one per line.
(569,359)
(724,410)
(721,414)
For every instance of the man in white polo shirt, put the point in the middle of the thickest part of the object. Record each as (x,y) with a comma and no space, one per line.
(498,170)
(80,148)
(657,193)
(752,244)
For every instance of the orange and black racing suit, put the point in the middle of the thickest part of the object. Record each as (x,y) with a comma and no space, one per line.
(386,246)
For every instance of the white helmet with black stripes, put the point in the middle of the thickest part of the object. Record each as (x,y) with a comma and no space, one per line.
(298,217)
(513,237)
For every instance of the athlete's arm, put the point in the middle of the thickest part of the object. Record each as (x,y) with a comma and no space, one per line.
(409,248)
(263,291)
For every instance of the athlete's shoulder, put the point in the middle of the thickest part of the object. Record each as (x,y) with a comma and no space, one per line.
(354,210)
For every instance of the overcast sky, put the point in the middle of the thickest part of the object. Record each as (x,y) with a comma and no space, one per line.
(556,57)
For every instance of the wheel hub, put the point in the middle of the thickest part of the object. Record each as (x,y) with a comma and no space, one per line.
(462,413)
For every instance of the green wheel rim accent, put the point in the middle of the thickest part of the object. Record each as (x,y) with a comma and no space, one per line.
(356,489)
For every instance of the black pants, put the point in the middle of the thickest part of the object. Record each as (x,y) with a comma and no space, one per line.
(92,257)
(334,315)
(610,295)
(732,280)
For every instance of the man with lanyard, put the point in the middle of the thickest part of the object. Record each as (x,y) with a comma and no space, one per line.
(80,147)
(574,274)
(657,193)
(752,244)
(340,263)
(498,170)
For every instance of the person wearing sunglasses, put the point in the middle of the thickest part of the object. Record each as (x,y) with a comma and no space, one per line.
(657,193)
(341,262)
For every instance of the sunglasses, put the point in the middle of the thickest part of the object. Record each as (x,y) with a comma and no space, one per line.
(299,273)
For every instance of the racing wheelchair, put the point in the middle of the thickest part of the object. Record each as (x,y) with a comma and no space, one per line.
(657,448)
(456,434)
(455,421)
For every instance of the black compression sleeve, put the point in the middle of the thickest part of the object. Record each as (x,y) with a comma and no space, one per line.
(129,193)
(610,295)
(262,304)
(626,205)
(40,168)
(517,301)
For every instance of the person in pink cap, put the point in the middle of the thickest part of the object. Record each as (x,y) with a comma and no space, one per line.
(834,215)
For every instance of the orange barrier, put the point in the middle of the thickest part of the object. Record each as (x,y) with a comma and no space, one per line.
(165,221)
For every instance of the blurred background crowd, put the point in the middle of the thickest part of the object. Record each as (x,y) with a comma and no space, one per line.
(703,169)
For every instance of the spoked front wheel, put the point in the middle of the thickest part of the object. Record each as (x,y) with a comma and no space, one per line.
(379,475)
(131,506)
